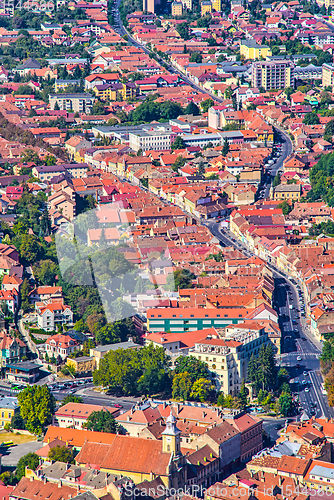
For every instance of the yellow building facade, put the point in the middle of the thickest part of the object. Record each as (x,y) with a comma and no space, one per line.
(250,50)
(206,8)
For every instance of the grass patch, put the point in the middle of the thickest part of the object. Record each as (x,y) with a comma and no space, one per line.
(17,439)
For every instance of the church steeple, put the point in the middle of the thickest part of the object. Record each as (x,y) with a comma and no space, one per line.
(171,436)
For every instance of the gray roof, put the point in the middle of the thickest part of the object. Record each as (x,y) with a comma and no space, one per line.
(253,43)
(66,473)
(9,403)
(318,470)
(23,366)
(292,188)
(45,169)
(113,347)
(70,82)
(79,95)
(30,64)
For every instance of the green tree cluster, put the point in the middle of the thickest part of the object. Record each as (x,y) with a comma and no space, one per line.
(262,371)
(61,454)
(135,371)
(150,111)
(102,421)
(322,177)
(37,405)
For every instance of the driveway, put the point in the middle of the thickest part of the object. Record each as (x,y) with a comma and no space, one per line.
(14,453)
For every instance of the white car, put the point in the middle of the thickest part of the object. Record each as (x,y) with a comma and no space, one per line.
(307,389)
(299,358)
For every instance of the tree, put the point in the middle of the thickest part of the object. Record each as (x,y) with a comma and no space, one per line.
(37,405)
(178,143)
(70,398)
(262,371)
(289,91)
(329,130)
(153,381)
(277,180)
(17,422)
(180,278)
(311,119)
(182,386)
(102,421)
(50,160)
(30,155)
(242,397)
(46,271)
(194,367)
(206,104)
(8,478)
(196,57)
(192,109)
(285,403)
(226,148)
(202,390)
(121,369)
(61,454)
(286,207)
(30,460)
(30,248)
(201,168)
(98,108)
(183,31)
(25,305)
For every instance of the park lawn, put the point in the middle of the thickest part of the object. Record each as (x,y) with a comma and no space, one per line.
(17,439)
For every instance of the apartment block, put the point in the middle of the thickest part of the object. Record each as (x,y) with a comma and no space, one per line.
(228,357)
(187,4)
(327,75)
(206,7)
(159,139)
(251,50)
(216,5)
(273,74)
(81,102)
(177,9)
(191,319)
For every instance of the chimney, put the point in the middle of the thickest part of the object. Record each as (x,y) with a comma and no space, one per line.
(60,484)
(280,480)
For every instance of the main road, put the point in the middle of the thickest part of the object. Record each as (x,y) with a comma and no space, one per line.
(121,30)
(299,347)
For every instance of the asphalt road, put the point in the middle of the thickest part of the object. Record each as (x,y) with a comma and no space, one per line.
(270,427)
(94,398)
(120,29)
(297,341)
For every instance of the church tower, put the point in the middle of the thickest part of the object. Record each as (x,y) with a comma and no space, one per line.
(171,436)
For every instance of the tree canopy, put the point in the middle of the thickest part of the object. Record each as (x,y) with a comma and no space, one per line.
(262,371)
(102,421)
(37,405)
(122,370)
(61,454)
(30,460)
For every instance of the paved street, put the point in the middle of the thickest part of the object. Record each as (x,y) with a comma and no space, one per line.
(92,397)
(12,455)
(297,341)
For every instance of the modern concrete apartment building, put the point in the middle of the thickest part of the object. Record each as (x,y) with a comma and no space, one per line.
(81,102)
(274,74)
(327,75)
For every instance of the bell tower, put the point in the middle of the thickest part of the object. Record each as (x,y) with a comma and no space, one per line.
(171,436)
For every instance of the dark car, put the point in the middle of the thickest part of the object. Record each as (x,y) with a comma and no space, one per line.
(277,427)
